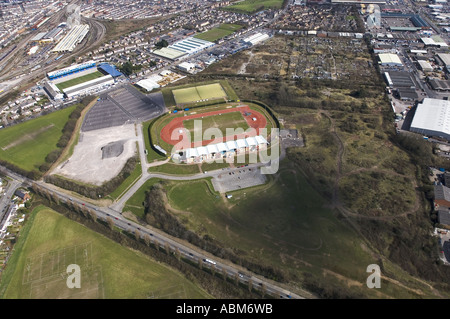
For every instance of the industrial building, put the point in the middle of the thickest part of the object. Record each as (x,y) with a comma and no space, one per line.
(445,59)
(169,53)
(72,39)
(389,59)
(191,45)
(53,91)
(89,86)
(256,38)
(186,66)
(439,85)
(435,41)
(399,79)
(432,118)
(71,70)
(425,66)
(150,83)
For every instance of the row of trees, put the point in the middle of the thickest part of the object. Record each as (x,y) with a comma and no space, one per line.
(158,215)
(218,284)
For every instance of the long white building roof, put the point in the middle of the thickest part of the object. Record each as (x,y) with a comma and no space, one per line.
(432,115)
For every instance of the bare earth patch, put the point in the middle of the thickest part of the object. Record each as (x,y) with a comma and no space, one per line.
(87,163)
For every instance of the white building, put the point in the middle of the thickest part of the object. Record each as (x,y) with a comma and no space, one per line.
(389,59)
(89,86)
(432,118)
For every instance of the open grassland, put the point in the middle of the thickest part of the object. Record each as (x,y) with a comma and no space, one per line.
(108,270)
(79,80)
(285,224)
(251,6)
(219,32)
(27,144)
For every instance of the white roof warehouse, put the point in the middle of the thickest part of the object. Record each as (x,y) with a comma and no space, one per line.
(432,118)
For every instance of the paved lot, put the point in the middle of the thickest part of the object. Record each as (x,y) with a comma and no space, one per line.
(122,106)
(237,178)
(88,164)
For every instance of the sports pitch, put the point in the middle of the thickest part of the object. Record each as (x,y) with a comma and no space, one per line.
(199,93)
(52,242)
(233,120)
(79,80)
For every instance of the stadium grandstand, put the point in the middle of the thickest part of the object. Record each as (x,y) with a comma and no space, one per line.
(71,70)
(106,68)
(89,86)
(74,37)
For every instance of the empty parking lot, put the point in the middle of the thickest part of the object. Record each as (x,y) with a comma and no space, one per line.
(122,106)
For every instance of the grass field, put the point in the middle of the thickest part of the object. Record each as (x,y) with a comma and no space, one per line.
(198,93)
(27,144)
(81,79)
(284,223)
(108,270)
(233,120)
(250,6)
(219,32)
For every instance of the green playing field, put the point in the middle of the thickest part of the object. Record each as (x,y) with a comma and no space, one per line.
(198,93)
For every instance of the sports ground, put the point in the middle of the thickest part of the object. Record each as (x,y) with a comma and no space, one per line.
(180,128)
(199,93)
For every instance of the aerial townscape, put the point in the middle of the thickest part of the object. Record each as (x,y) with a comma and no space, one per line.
(263,150)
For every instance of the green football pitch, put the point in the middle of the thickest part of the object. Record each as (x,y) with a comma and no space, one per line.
(230,121)
(198,93)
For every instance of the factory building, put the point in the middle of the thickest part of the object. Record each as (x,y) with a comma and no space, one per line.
(72,39)
(432,118)
(389,59)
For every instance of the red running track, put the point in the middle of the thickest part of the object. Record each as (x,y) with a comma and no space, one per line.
(170,133)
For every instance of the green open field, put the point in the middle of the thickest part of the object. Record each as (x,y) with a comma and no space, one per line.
(108,270)
(250,6)
(233,120)
(198,93)
(284,223)
(81,79)
(219,32)
(169,99)
(27,144)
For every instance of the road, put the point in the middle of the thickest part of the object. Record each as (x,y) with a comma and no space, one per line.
(162,239)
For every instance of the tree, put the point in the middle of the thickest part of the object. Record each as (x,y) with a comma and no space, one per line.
(263,289)
(250,285)
(93,215)
(161,44)
(110,222)
(137,234)
(147,239)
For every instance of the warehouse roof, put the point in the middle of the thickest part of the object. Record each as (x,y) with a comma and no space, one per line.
(432,115)
(389,58)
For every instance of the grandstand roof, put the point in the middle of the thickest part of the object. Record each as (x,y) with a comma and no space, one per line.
(110,69)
